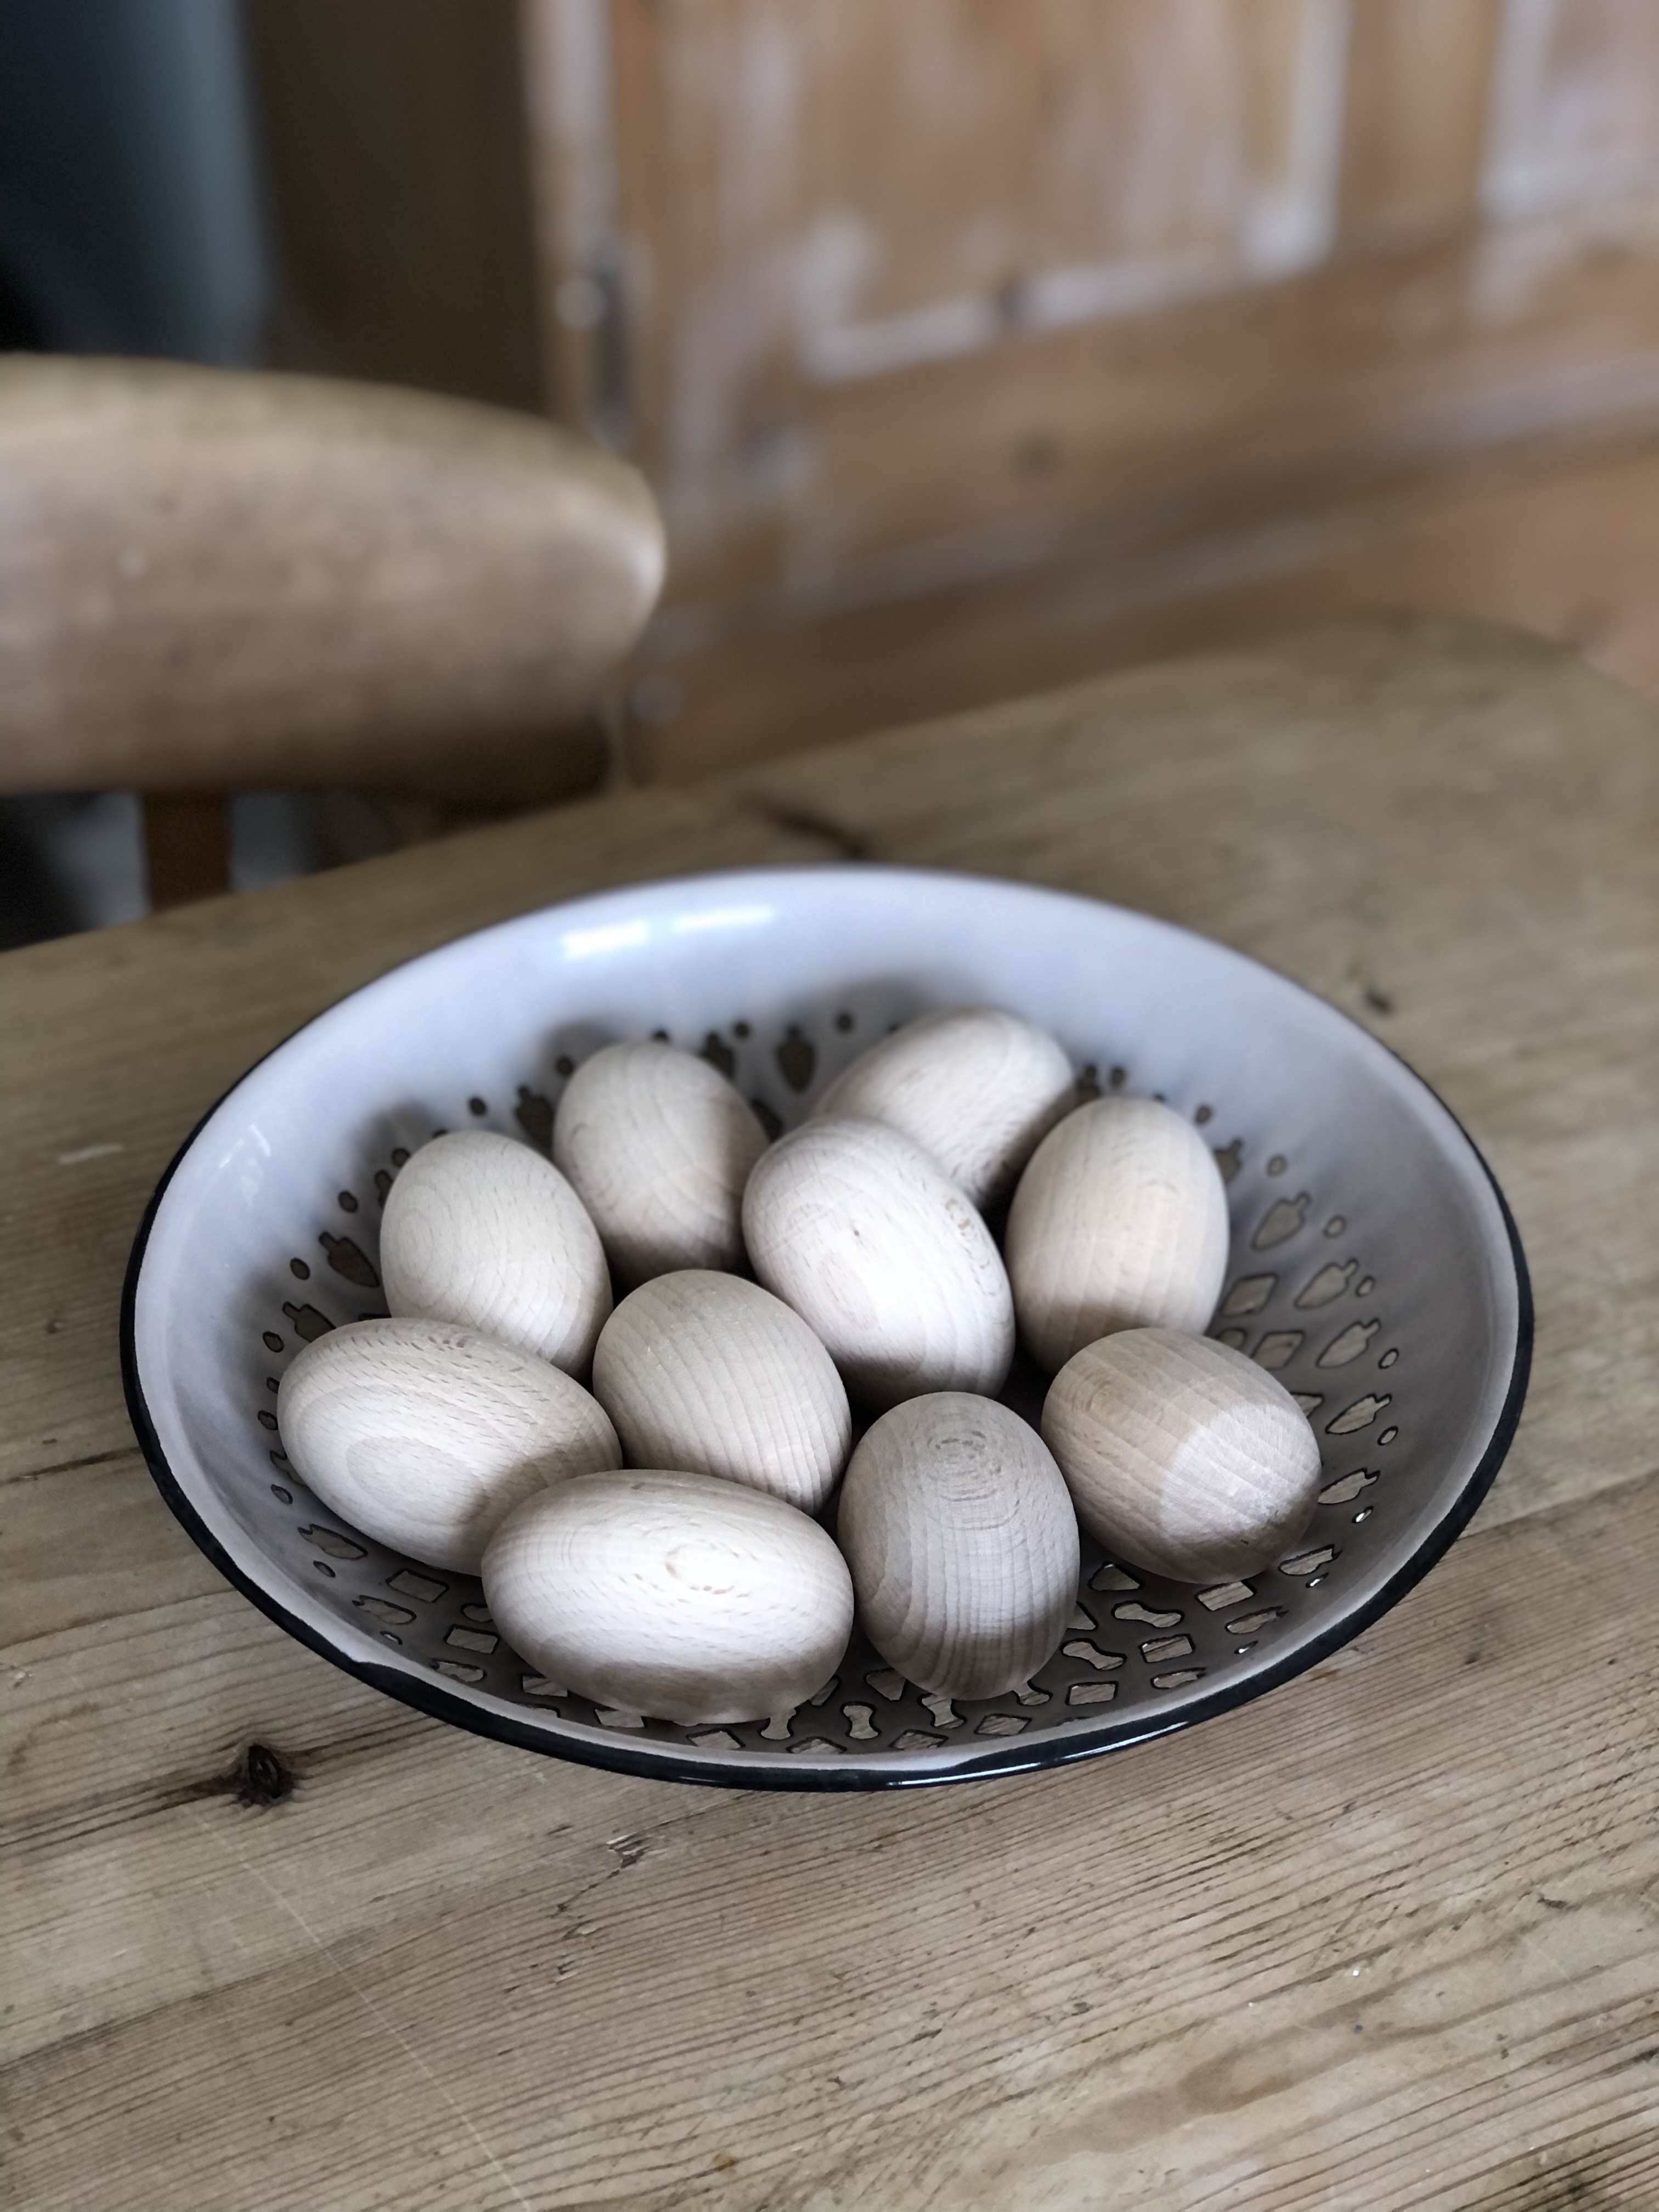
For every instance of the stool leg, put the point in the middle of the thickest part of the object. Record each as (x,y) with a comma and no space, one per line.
(187,845)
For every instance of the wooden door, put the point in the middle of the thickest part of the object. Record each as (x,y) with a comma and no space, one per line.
(974,344)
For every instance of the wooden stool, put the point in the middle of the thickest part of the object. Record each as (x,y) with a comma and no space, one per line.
(214,580)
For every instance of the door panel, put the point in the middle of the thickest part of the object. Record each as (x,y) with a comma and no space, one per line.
(938,306)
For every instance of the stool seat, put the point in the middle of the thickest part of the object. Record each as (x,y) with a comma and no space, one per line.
(218,580)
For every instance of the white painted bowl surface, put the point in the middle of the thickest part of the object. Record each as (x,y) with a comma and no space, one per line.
(1374,1268)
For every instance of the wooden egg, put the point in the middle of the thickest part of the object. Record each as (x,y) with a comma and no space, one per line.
(680,1596)
(711,1374)
(658,1146)
(481,1230)
(422,1434)
(1181,1456)
(977,1087)
(962,1542)
(1119,1222)
(865,1235)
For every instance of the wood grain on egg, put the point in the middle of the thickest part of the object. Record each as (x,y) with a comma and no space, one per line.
(422,1434)
(962,1543)
(1120,1221)
(865,1235)
(679,1595)
(480,1230)
(712,1374)
(977,1087)
(658,1147)
(1182,1457)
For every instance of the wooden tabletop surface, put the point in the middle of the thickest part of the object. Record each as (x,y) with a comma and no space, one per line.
(1385,1939)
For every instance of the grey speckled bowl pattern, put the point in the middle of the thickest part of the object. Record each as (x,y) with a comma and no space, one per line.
(1374,1269)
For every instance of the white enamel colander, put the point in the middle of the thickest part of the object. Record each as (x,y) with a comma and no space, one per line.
(1375,1269)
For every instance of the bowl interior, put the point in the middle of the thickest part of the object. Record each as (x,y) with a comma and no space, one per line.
(1373,1269)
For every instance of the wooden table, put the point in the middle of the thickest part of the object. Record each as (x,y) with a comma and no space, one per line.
(1385,1939)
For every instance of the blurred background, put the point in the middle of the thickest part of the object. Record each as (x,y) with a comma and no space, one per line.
(970,348)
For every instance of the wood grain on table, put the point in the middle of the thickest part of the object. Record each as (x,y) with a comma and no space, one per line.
(1385,1939)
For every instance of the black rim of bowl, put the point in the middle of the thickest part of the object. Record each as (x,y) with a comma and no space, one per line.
(663,1765)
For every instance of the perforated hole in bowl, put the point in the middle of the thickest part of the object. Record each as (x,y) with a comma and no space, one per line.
(1299,1299)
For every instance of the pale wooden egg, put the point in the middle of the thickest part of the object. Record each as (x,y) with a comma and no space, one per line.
(865,1235)
(977,1087)
(680,1596)
(711,1374)
(1120,1221)
(1181,1456)
(481,1230)
(422,1434)
(960,1533)
(658,1147)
